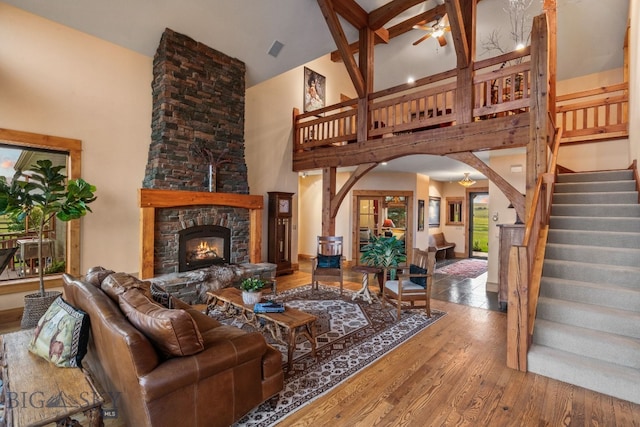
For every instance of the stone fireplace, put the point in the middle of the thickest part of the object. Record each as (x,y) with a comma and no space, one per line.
(197,123)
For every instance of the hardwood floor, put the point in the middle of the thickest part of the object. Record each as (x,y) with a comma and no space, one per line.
(452,373)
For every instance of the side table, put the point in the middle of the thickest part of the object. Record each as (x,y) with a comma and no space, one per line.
(37,393)
(364,291)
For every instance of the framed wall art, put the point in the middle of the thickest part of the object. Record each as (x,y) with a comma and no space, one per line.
(314,90)
(434,211)
(420,215)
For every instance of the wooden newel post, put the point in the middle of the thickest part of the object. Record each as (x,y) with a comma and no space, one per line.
(518,309)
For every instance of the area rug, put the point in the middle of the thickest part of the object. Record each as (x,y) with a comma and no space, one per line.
(468,268)
(350,336)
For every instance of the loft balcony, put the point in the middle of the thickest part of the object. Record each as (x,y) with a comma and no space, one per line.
(430,117)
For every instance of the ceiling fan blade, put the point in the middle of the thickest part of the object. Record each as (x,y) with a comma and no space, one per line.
(442,40)
(421,39)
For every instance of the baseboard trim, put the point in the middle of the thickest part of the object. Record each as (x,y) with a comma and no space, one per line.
(11,315)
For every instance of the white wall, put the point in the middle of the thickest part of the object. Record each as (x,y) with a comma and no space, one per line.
(61,82)
(269,137)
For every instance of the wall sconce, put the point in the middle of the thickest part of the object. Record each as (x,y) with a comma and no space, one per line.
(495,217)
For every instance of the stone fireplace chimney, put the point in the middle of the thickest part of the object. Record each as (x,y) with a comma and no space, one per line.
(197,119)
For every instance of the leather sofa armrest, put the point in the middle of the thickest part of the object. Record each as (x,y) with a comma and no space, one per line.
(225,348)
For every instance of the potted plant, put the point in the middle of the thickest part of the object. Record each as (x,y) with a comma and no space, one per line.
(252,290)
(40,193)
(384,252)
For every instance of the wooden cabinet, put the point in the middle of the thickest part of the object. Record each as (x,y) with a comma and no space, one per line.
(279,245)
(510,234)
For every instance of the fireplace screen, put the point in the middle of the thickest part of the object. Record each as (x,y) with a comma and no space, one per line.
(202,246)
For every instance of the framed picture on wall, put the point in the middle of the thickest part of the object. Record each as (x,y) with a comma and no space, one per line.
(314,90)
(420,215)
(434,211)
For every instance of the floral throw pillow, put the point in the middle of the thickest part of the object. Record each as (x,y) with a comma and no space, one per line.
(61,335)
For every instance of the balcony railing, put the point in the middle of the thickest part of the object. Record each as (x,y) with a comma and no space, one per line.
(595,114)
(497,89)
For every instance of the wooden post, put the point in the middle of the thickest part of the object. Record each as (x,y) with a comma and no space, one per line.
(517,309)
(539,107)
(328,192)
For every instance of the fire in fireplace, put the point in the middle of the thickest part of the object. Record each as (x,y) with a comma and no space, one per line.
(203,245)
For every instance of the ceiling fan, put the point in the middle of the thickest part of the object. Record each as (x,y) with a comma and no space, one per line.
(436,30)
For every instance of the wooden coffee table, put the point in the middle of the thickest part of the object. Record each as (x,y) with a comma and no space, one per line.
(292,321)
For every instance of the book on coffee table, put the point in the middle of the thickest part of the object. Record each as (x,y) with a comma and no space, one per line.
(268,307)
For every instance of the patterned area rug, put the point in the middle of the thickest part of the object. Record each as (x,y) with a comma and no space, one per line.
(468,268)
(350,336)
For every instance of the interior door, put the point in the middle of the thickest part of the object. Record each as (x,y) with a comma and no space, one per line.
(381,213)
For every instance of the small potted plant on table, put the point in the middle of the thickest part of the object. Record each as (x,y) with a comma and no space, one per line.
(252,290)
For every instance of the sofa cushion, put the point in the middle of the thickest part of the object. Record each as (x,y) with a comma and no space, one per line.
(61,335)
(117,283)
(174,332)
(95,275)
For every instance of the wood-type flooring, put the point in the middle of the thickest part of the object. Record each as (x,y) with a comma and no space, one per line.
(451,374)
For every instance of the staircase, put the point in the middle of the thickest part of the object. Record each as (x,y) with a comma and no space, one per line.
(587,329)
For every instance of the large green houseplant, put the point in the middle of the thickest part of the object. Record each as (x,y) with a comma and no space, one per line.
(41,194)
(384,252)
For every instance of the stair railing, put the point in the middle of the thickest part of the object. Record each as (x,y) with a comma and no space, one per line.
(525,266)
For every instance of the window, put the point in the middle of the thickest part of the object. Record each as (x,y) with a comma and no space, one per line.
(63,239)
(455,211)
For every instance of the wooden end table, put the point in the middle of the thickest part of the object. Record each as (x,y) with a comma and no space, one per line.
(364,291)
(292,321)
(37,392)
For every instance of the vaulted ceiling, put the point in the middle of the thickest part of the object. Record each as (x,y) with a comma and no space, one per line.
(590,32)
(590,38)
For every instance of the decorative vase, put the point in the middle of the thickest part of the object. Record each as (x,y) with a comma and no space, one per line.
(35,305)
(251,298)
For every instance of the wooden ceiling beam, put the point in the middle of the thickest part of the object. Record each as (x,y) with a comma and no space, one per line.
(352,13)
(458,32)
(330,15)
(398,29)
(424,17)
(380,16)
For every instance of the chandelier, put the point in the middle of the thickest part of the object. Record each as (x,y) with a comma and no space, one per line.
(466,181)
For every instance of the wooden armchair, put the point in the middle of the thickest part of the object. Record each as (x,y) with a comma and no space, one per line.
(328,264)
(413,283)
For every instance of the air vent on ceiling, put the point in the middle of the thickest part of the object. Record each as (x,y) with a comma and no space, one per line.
(276,47)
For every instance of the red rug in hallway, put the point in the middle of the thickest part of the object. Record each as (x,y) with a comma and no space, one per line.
(468,268)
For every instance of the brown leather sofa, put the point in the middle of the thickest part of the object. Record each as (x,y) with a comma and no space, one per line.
(224,373)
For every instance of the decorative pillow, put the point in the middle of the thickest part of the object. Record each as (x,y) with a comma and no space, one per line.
(95,275)
(161,296)
(174,332)
(329,261)
(117,283)
(61,335)
(420,281)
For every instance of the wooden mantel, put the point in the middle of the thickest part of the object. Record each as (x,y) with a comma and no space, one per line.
(152,199)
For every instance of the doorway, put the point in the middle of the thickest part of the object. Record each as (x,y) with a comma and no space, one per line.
(381,213)
(478,224)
